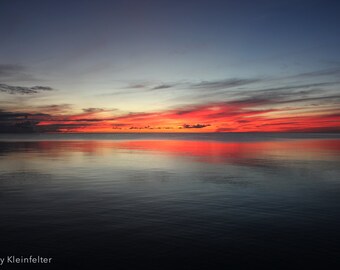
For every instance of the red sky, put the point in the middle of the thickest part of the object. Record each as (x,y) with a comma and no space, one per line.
(245,116)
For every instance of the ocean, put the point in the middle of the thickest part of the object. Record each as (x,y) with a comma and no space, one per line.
(171,201)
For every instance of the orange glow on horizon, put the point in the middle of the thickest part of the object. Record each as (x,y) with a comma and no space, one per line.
(240,117)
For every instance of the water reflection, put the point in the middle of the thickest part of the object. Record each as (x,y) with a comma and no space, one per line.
(169,204)
(222,151)
(275,153)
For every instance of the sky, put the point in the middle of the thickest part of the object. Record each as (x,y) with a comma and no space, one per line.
(170,66)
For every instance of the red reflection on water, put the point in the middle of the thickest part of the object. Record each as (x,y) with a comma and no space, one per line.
(221,151)
(208,151)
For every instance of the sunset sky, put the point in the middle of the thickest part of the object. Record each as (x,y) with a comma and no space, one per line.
(170,66)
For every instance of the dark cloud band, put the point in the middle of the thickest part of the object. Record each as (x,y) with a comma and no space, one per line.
(23,90)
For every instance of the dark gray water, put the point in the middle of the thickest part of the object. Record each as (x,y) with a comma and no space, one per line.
(223,201)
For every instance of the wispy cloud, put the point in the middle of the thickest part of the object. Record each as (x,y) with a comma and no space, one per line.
(23,90)
(161,86)
(222,84)
(97,110)
(290,92)
(137,86)
(55,108)
(10,72)
(202,86)
(6,116)
(287,88)
(323,72)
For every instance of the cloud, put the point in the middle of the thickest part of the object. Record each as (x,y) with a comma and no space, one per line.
(202,86)
(273,95)
(55,108)
(292,94)
(23,90)
(62,127)
(93,110)
(287,88)
(10,72)
(137,86)
(41,88)
(195,126)
(90,120)
(97,110)
(222,84)
(161,86)
(119,125)
(6,116)
(334,98)
(323,72)
(20,122)
(144,87)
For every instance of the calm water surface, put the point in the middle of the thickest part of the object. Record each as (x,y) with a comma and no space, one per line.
(171,201)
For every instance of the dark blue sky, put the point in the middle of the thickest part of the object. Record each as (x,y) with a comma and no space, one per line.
(170,40)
